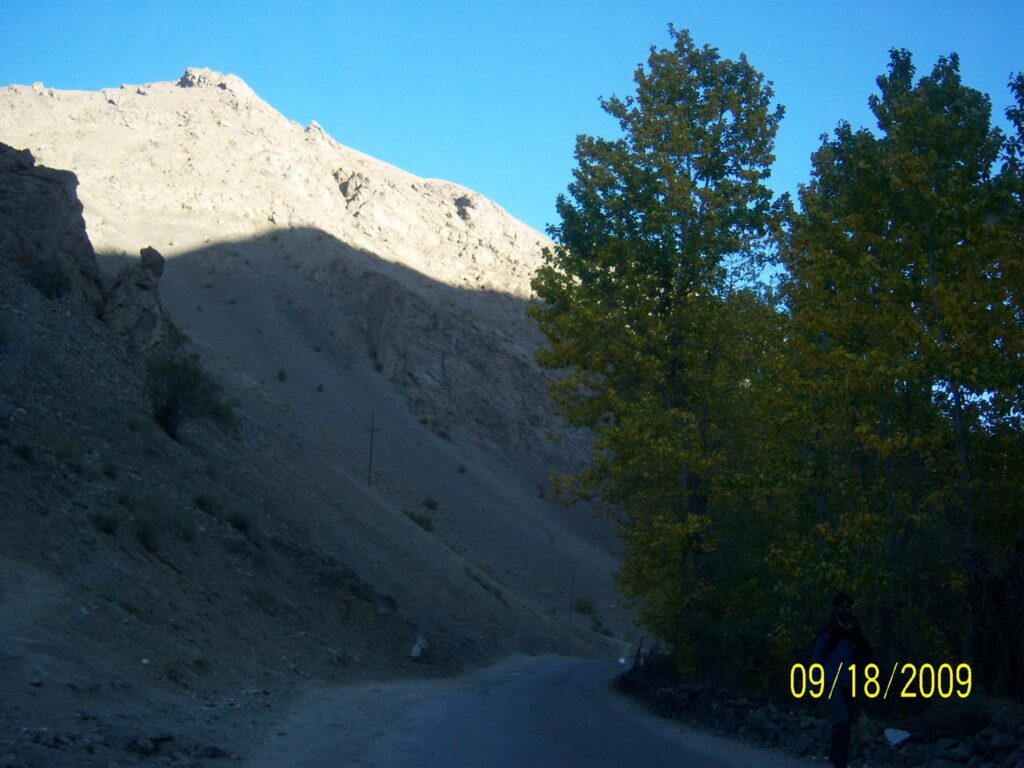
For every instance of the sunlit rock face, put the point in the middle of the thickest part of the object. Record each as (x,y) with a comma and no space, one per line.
(437,274)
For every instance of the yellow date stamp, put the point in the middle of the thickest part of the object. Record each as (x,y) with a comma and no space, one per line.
(905,681)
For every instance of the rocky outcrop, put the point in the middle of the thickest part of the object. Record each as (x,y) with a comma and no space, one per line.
(464,376)
(42,229)
(202,77)
(132,305)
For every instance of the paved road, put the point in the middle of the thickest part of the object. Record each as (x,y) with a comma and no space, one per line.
(530,713)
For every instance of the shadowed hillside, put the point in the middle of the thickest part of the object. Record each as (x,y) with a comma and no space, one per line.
(176,590)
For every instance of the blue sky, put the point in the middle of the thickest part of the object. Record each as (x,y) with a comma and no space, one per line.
(492,94)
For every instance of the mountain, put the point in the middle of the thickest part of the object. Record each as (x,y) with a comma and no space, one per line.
(169,595)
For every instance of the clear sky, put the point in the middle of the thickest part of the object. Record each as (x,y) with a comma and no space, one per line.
(492,94)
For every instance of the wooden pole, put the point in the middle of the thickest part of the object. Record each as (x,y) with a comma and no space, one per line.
(572,592)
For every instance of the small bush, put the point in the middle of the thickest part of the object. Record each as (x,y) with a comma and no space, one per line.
(175,672)
(180,390)
(430,502)
(598,626)
(25,452)
(70,452)
(242,522)
(208,502)
(462,469)
(49,278)
(585,606)
(423,521)
(281,375)
(105,522)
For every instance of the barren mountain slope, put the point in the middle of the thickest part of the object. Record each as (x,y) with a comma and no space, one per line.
(340,310)
(203,164)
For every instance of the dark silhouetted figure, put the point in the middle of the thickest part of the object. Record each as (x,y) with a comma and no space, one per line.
(841,641)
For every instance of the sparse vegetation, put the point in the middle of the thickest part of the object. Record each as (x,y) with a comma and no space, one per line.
(242,522)
(585,606)
(423,521)
(174,671)
(25,452)
(598,626)
(150,512)
(105,521)
(181,390)
(209,502)
(70,452)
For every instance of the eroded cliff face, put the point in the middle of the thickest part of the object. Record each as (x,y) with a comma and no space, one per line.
(42,230)
(438,274)
(43,235)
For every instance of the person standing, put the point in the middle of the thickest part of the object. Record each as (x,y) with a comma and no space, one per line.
(841,642)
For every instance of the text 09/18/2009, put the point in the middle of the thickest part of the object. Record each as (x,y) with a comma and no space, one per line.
(906,681)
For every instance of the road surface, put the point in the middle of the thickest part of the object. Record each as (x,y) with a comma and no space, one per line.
(530,712)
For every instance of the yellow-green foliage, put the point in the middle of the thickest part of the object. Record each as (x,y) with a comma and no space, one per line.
(861,429)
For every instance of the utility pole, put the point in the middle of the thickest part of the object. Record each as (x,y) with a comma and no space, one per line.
(369,472)
(572,592)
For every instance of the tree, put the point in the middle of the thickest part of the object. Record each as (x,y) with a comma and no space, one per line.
(179,390)
(907,339)
(650,308)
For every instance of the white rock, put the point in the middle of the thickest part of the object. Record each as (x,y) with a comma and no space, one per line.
(896,737)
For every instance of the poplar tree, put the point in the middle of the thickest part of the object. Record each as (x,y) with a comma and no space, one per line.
(651,310)
(904,293)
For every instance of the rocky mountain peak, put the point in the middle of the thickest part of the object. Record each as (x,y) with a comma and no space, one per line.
(203,77)
(204,170)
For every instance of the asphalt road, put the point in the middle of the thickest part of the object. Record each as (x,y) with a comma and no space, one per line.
(531,713)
